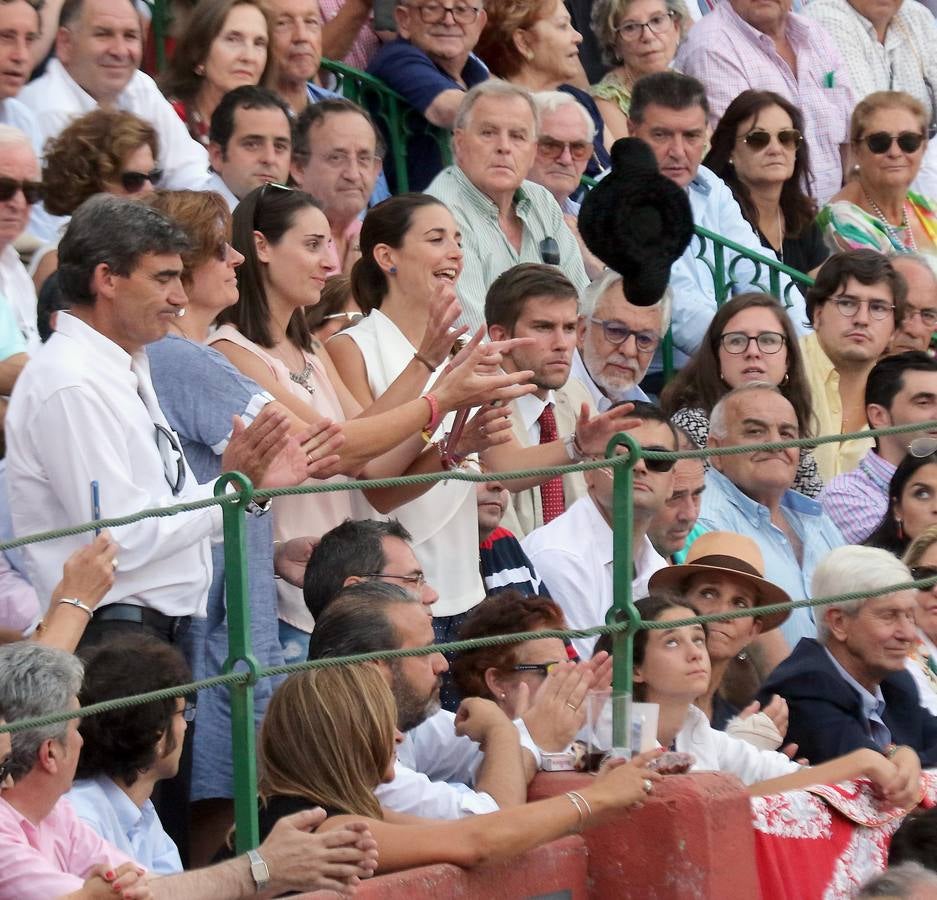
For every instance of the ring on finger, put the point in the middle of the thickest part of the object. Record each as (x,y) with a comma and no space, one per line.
(114,563)
(572,706)
(648,785)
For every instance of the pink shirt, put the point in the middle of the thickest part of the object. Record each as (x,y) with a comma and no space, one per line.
(51,859)
(730,56)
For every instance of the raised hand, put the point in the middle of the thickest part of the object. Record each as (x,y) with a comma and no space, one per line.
(439,335)
(594,432)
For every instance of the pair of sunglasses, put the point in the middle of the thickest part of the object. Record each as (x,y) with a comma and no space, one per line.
(787,137)
(132,182)
(32,190)
(880,141)
(920,573)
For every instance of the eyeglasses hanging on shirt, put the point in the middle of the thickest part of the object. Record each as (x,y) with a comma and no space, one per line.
(173,461)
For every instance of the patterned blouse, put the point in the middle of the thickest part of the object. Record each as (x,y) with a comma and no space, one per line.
(846,226)
(613,89)
(696,423)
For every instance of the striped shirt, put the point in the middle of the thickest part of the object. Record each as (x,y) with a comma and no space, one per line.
(858,500)
(730,56)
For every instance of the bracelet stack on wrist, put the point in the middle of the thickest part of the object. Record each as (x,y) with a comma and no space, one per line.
(584,810)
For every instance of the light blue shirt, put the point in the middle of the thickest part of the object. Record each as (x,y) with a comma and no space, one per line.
(873,705)
(137,832)
(691,279)
(726,508)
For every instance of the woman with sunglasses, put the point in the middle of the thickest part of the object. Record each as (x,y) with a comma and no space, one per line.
(533,43)
(672,668)
(877,209)
(921,559)
(912,499)
(284,238)
(637,38)
(758,149)
(223,47)
(514,675)
(328,740)
(106,151)
(750,338)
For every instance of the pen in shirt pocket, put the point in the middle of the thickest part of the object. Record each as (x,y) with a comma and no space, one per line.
(95,505)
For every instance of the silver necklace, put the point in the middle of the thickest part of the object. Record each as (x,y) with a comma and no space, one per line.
(304,378)
(908,242)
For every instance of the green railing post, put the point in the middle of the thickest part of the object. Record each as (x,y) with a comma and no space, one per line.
(622,576)
(237,601)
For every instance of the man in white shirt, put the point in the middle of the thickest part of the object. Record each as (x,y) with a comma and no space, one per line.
(250,141)
(85,411)
(669,112)
(609,363)
(98,50)
(538,302)
(573,554)
(20,188)
(20,25)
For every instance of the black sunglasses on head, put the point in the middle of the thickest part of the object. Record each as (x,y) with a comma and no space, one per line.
(32,190)
(133,182)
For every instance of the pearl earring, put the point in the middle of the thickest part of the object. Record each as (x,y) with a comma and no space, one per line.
(200,69)
(503,695)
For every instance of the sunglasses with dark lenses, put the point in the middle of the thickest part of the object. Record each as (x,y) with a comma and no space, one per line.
(6,766)
(880,141)
(658,465)
(553,149)
(32,190)
(132,182)
(759,139)
(921,573)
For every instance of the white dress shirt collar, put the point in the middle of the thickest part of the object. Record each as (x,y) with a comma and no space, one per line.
(530,407)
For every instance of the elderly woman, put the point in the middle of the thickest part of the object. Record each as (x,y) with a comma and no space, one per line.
(224,47)
(887,46)
(921,559)
(637,37)
(878,209)
(742,45)
(758,149)
(106,150)
(533,43)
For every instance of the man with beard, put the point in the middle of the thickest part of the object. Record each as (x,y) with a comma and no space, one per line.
(616,341)
(372,616)
(538,302)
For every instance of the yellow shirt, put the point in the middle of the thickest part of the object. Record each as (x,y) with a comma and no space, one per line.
(835,458)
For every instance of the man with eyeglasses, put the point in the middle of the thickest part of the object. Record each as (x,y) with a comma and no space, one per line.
(917,328)
(573,553)
(85,411)
(431,65)
(616,341)
(750,45)
(250,141)
(337,156)
(901,389)
(855,305)
(751,494)
(669,112)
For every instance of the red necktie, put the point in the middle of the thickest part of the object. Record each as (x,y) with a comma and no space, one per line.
(551,492)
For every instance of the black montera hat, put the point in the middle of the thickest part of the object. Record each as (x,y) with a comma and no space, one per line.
(637,221)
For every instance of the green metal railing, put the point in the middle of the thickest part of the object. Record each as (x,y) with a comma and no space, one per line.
(401,122)
(241,670)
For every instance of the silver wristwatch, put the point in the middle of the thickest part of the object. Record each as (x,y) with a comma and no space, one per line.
(259,871)
(572,449)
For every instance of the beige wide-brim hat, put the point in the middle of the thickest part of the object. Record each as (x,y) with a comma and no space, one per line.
(734,554)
